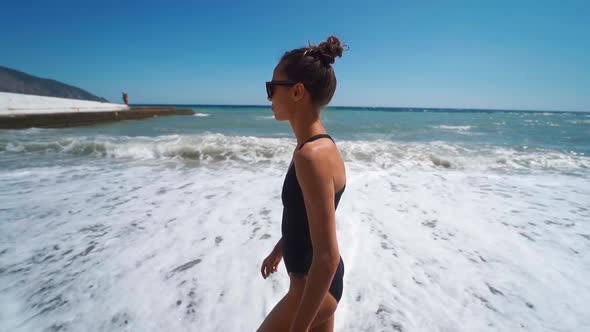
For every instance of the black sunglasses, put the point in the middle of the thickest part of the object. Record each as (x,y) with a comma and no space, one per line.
(270,86)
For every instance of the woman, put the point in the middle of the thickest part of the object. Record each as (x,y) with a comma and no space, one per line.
(302,84)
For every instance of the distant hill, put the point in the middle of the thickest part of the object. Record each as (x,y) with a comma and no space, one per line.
(19,82)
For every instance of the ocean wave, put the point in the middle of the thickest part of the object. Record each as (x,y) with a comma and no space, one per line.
(248,150)
(209,148)
(201,114)
(454,128)
(458,156)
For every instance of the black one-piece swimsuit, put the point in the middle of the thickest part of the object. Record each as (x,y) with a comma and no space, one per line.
(297,248)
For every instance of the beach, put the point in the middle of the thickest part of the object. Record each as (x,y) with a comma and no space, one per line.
(452,220)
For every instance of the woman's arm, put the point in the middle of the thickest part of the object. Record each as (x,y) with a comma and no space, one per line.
(279,245)
(316,180)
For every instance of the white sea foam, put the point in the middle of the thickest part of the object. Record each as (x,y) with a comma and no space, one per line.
(201,114)
(454,128)
(138,245)
(223,150)
(463,130)
(265,117)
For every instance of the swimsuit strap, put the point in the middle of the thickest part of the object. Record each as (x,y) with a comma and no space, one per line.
(313,138)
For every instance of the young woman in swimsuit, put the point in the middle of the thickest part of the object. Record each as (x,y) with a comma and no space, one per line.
(302,84)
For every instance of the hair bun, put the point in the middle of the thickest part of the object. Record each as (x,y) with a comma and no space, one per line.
(328,50)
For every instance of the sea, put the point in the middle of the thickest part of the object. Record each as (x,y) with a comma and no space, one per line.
(452,220)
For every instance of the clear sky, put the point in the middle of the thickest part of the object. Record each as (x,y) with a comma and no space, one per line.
(465,54)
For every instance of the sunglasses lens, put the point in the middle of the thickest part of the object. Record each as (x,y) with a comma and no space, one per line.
(269,90)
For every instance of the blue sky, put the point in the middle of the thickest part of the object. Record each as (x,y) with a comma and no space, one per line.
(463,54)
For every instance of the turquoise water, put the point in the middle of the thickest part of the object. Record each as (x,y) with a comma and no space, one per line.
(563,131)
(558,132)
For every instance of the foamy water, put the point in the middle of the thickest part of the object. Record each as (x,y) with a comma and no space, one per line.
(151,232)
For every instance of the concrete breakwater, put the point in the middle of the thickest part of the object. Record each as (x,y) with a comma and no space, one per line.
(24,111)
(69,119)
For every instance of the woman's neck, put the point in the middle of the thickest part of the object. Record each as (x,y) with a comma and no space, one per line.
(306,125)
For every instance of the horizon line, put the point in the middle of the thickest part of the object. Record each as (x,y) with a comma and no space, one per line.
(410,108)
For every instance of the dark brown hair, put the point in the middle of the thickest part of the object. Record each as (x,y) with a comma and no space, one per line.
(312,66)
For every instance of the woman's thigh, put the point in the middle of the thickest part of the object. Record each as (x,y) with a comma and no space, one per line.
(325,326)
(281,316)
(283,313)
(325,314)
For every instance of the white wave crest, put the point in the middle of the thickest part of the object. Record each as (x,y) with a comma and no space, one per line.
(454,128)
(248,150)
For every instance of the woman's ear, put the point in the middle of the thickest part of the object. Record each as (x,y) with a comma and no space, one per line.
(298,92)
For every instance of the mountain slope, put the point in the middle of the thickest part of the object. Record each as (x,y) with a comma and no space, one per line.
(15,81)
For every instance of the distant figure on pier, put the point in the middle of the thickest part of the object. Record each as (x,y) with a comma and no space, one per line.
(125,98)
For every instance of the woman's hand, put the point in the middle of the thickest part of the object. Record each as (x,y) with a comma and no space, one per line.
(271,263)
